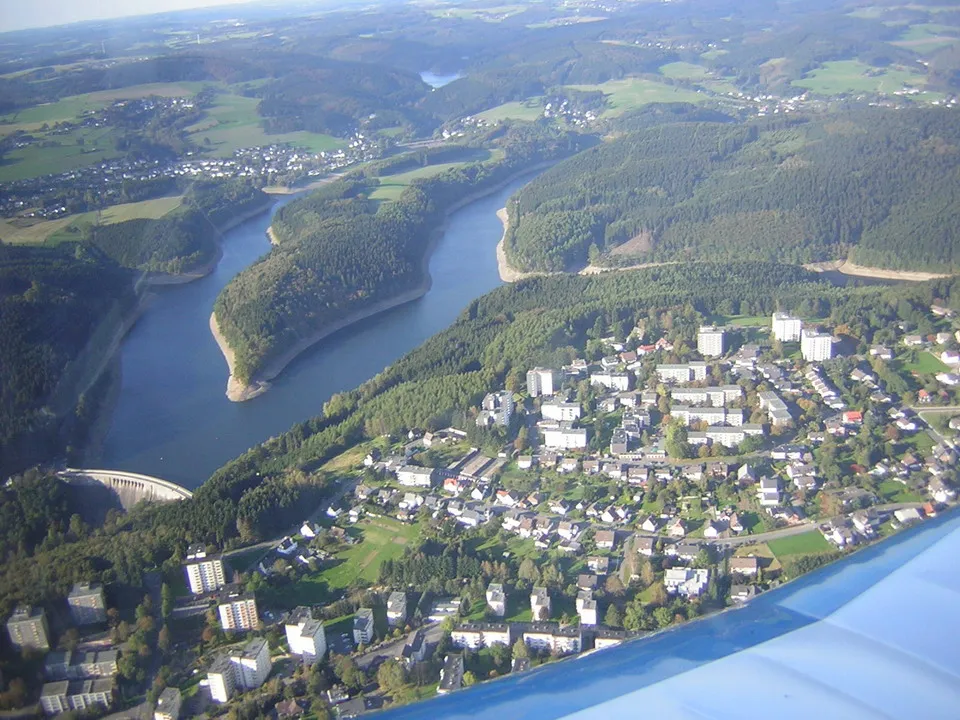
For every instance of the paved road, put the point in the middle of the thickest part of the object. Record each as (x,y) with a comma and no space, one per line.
(434,631)
(921,410)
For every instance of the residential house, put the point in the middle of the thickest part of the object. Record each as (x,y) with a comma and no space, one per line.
(744,565)
(686,582)
(605,539)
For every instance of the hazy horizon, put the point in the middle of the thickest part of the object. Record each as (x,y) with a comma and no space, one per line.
(51,13)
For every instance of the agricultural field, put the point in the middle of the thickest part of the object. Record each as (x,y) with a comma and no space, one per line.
(60,153)
(73,107)
(525,110)
(928,37)
(852,76)
(392,185)
(631,93)
(233,123)
(494,14)
(808,543)
(22,232)
(684,71)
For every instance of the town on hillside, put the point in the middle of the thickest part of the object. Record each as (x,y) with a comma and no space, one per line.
(656,478)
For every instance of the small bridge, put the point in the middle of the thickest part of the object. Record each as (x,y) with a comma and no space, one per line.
(129,487)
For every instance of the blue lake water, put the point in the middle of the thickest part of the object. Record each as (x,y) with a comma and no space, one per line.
(436,80)
(172,419)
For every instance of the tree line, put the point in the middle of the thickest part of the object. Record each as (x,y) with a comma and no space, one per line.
(877,186)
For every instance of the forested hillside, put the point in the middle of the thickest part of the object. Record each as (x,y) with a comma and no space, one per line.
(881,187)
(52,300)
(182,239)
(340,251)
(541,320)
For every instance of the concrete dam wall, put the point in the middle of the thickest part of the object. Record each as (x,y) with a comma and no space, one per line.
(130,488)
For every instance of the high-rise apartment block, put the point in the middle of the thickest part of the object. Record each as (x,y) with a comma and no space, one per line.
(786,328)
(204,572)
(237,609)
(816,346)
(306,637)
(27,627)
(710,341)
(87,604)
(542,381)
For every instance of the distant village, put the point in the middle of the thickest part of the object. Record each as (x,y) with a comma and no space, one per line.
(103,184)
(635,493)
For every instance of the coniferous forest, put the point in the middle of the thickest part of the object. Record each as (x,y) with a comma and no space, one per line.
(877,187)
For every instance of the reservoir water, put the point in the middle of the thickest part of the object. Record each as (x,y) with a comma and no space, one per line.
(436,80)
(172,419)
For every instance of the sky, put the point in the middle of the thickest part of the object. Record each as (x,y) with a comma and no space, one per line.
(23,14)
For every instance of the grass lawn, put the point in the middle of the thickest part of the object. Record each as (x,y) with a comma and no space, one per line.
(233,123)
(852,76)
(926,364)
(527,110)
(631,93)
(741,320)
(383,538)
(242,560)
(762,550)
(896,492)
(808,543)
(919,443)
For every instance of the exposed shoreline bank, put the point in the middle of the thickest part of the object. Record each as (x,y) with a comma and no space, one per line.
(508,273)
(238,392)
(846,267)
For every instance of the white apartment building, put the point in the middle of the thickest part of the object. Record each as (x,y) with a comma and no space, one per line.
(686,372)
(560,410)
(204,572)
(588,612)
(496,599)
(237,610)
(221,680)
(363,626)
(540,604)
(542,381)
(306,637)
(816,346)
(564,437)
(396,609)
(611,380)
(251,664)
(168,705)
(480,635)
(786,328)
(711,341)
